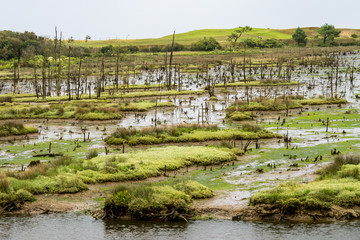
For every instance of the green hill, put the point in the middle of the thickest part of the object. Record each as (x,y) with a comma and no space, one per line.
(219,34)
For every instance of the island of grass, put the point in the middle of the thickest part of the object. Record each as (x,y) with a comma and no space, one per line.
(255,83)
(335,195)
(13,128)
(104,96)
(69,175)
(240,109)
(137,87)
(76,109)
(185,133)
(166,200)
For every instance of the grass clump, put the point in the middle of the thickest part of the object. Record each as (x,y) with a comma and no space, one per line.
(263,82)
(13,128)
(240,116)
(183,133)
(163,200)
(339,161)
(91,154)
(340,188)
(281,103)
(143,106)
(10,198)
(263,105)
(152,162)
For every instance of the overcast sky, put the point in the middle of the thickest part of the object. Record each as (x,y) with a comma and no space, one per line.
(108,19)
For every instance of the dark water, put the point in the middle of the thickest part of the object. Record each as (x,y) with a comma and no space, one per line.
(78,226)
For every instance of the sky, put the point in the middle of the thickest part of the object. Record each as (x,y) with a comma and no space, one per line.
(134,19)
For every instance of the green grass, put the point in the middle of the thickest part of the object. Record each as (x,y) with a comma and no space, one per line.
(107,96)
(280,104)
(151,162)
(23,154)
(166,200)
(184,133)
(259,83)
(240,116)
(339,118)
(11,128)
(71,174)
(190,37)
(143,106)
(76,109)
(340,186)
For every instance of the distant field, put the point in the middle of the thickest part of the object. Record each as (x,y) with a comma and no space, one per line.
(219,34)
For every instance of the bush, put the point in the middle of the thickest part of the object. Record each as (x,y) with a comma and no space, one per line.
(205,44)
(155,48)
(22,196)
(338,163)
(257,43)
(107,50)
(177,47)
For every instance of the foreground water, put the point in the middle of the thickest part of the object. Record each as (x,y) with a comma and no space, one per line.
(79,226)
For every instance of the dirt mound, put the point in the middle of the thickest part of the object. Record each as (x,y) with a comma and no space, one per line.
(271,213)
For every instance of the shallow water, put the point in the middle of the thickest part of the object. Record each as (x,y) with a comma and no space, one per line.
(78,226)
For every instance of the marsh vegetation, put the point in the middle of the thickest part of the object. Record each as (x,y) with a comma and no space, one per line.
(170,129)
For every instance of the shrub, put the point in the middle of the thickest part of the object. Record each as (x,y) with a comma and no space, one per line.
(194,189)
(337,164)
(22,196)
(107,50)
(257,43)
(205,44)
(155,48)
(349,171)
(177,47)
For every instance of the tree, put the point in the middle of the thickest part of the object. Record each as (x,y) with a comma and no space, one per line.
(234,36)
(87,38)
(300,37)
(328,32)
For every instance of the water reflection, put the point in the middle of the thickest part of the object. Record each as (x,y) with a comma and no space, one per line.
(78,226)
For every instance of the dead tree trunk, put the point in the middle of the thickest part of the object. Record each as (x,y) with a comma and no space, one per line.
(58,86)
(35,81)
(170,63)
(69,76)
(117,71)
(43,92)
(78,81)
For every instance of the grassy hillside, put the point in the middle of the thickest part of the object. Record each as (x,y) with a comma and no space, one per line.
(219,34)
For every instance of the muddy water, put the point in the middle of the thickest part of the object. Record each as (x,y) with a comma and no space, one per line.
(72,226)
